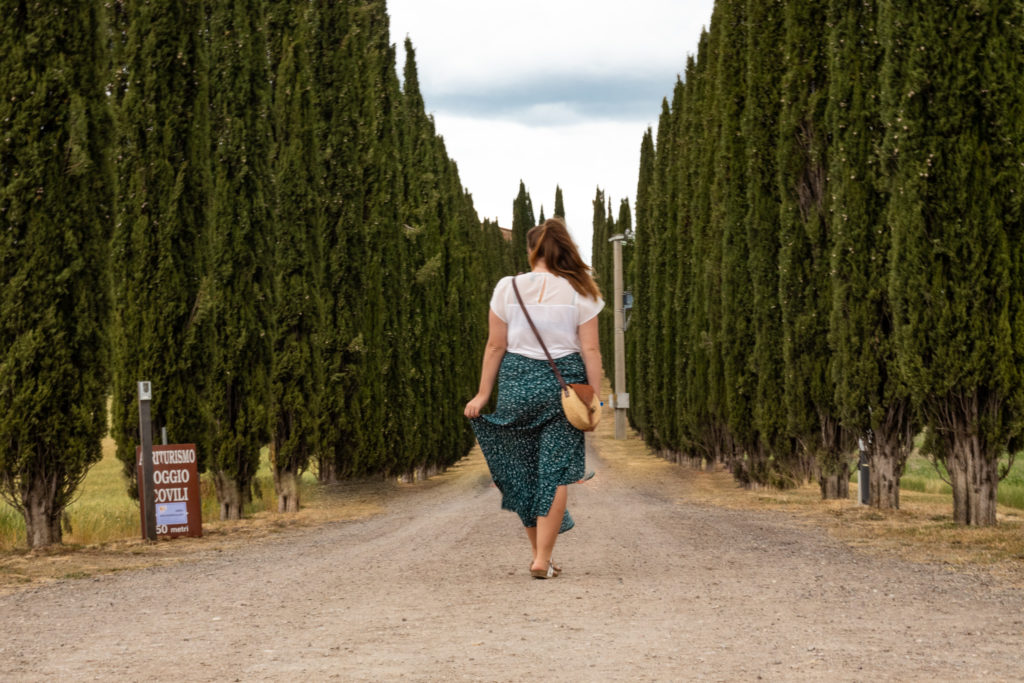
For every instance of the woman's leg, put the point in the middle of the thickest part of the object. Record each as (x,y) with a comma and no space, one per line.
(547,529)
(531,532)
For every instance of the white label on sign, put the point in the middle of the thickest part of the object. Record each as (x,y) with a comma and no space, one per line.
(172,513)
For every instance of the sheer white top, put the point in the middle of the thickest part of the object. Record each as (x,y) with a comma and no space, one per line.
(556,308)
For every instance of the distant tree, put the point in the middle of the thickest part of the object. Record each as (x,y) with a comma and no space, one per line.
(600,257)
(163,164)
(56,200)
(559,206)
(541,219)
(953,156)
(522,221)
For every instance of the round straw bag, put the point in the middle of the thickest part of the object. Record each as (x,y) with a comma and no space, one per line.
(581,405)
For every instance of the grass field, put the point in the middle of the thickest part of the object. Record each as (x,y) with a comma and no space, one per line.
(921,476)
(103,511)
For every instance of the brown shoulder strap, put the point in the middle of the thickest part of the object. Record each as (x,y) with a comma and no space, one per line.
(533,327)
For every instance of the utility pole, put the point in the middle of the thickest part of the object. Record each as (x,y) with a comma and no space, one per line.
(621,397)
(146,453)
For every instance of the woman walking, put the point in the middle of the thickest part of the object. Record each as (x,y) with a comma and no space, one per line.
(532,450)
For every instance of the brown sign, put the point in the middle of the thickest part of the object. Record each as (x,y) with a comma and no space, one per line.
(175,491)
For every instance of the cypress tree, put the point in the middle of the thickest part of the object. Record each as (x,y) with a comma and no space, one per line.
(295,381)
(759,125)
(639,366)
(522,221)
(600,253)
(540,218)
(236,321)
(952,97)
(358,109)
(729,204)
(660,342)
(804,259)
(380,392)
(873,402)
(704,389)
(422,167)
(163,163)
(559,207)
(56,202)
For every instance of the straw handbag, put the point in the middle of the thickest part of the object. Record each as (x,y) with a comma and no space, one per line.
(581,405)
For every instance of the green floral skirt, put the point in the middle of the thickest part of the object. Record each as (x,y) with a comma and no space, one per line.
(531,449)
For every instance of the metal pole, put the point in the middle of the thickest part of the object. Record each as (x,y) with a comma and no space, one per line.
(146,435)
(621,398)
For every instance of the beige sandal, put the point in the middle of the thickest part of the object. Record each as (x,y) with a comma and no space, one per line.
(548,573)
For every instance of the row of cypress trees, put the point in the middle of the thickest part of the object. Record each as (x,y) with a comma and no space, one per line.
(829,244)
(241,203)
(607,223)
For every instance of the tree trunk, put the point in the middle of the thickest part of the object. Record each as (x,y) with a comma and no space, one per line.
(326,472)
(834,463)
(286,484)
(884,481)
(835,485)
(42,520)
(229,495)
(975,479)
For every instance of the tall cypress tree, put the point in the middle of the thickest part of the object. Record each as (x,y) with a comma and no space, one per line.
(163,163)
(599,253)
(760,124)
(421,170)
(236,321)
(952,97)
(873,401)
(804,259)
(660,341)
(729,204)
(522,221)
(540,218)
(704,391)
(559,206)
(295,379)
(56,200)
(639,366)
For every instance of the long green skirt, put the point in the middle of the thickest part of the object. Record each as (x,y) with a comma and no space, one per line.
(531,449)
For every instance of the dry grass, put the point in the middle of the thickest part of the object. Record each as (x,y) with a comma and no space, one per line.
(105,533)
(922,530)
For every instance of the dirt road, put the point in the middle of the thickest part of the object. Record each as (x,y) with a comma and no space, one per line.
(655,588)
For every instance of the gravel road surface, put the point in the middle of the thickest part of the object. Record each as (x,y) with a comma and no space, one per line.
(437,588)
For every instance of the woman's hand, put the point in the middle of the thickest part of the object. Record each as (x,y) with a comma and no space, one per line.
(475,405)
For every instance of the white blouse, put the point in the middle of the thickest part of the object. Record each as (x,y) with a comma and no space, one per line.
(555,307)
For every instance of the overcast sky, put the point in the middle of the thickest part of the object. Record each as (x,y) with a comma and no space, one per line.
(547,91)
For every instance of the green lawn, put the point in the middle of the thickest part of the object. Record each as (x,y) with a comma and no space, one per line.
(921,476)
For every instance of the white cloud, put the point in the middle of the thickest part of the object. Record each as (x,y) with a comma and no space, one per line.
(493,156)
(547,91)
(464,44)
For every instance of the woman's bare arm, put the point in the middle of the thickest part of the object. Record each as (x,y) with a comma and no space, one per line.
(497,342)
(590,349)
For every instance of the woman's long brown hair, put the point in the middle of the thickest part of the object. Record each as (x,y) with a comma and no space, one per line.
(551,242)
